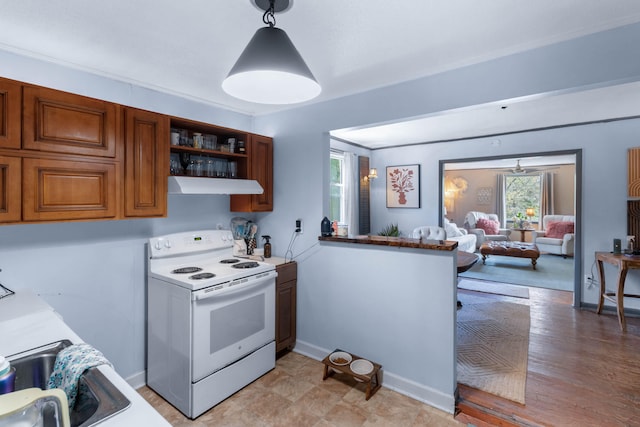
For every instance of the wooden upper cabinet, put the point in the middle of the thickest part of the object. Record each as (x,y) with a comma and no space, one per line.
(59,190)
(10,194)
(261,169)
(146,163)
(10,96)
(61,122)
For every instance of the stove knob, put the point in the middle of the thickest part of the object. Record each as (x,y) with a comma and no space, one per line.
(167,244)
(158,245)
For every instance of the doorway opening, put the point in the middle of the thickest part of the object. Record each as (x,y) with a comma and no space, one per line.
(480,185)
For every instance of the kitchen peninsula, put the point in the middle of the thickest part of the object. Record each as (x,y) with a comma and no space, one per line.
(400,242)
(388,299)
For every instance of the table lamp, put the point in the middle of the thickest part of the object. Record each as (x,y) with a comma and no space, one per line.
(530,212)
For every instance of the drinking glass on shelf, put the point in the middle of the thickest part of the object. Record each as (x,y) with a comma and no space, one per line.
(174,167)
(221,168)
(198,168)
(233,169)
(184,138)
(191,168)
(211,168)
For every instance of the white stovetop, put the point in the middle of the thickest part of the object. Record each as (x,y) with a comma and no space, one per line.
(26,322)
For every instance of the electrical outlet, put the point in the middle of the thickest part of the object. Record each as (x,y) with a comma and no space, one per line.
(299,226)
(590,281)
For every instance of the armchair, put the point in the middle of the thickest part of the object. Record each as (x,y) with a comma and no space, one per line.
(471,224)
(557,235)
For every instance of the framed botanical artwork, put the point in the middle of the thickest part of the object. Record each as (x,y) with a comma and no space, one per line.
(403,186)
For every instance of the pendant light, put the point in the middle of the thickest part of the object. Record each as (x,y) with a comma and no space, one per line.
(270,70)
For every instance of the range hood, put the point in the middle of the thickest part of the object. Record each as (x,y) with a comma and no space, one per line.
(194,185)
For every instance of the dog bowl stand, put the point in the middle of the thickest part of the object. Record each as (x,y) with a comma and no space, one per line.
(372,379)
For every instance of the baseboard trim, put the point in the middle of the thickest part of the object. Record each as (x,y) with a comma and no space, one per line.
(391,381)
(610,309)
(137,380)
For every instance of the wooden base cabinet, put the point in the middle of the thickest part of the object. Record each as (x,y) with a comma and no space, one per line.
(286,285)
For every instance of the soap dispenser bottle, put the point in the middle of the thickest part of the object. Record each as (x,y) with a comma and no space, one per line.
(267,246)
(7,376)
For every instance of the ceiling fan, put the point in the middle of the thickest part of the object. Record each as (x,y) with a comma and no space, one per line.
(518,170)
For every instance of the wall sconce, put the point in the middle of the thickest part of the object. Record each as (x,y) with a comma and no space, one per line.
(530,212)
(373,173)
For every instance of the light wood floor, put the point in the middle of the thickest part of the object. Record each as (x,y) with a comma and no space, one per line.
(583,371)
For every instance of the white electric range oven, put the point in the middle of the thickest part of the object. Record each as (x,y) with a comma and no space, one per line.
(211,319)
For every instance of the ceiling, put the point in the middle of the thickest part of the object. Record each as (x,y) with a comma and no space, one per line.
(508,164)
(187,48)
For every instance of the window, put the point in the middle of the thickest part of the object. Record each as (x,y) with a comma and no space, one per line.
(337,203)
(522,192)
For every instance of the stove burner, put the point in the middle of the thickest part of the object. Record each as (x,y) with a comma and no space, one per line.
(250,264)
(229,261)
(201,276)
(186,270)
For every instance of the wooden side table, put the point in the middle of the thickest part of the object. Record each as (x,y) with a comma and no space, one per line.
(369,379)
(624,263)
(522,232)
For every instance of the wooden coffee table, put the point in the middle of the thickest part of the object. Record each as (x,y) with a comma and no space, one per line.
(512,249)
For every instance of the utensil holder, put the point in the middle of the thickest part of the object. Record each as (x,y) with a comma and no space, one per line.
(251,245)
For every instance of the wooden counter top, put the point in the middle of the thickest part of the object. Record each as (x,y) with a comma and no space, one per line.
(403,242)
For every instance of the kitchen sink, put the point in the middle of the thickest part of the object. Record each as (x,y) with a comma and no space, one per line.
(97,399)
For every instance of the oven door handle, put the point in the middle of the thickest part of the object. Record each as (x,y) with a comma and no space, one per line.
(233,288)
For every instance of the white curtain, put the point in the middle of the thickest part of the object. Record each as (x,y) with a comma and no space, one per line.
(547,201)
(351,191)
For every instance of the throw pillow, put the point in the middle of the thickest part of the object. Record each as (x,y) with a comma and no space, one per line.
(452,230)
(558,229)
(489,226)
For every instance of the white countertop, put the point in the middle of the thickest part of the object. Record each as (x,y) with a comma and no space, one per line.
(26,322)
(274,260)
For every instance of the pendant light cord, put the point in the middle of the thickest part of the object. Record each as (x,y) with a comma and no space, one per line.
(269,16)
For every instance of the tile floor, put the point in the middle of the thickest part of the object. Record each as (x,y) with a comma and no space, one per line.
(293,394)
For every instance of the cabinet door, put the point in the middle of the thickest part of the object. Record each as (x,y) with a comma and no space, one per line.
(10,206)
(61,122)
(261,169)
(146,163)
(68,190)
(286,285)
(9,114)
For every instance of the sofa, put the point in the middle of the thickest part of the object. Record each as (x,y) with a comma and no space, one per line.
(466,242)
(557,235)
(485,227)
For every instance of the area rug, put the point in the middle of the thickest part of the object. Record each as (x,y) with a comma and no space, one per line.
(493,348)
(552,271)
(493,288)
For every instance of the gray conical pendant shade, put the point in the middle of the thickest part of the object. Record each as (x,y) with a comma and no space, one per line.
(271,71)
